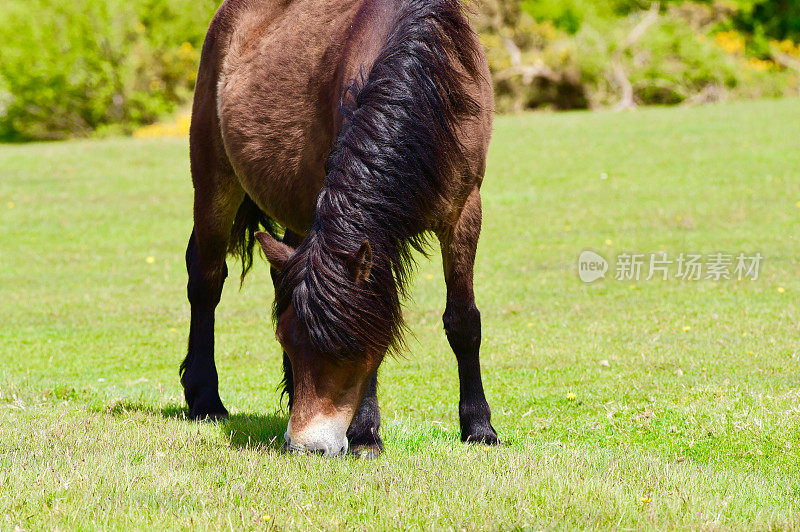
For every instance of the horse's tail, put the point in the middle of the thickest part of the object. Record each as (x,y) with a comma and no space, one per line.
(249,219)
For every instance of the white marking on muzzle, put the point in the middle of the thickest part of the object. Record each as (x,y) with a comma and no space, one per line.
(326,435)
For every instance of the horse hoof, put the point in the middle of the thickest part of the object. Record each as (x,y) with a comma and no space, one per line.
(207,406)
(210,417)
(486,436)
(365,452)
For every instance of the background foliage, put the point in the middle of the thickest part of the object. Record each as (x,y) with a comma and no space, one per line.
(71,68)
(94,67)
(580,53)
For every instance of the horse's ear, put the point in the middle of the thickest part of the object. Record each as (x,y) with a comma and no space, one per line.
(360,264)
(277,253)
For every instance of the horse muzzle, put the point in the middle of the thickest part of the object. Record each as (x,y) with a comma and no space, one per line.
(325,438)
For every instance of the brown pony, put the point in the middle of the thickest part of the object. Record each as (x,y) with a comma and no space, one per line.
(359,127)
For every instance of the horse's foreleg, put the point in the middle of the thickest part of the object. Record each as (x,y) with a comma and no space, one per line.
(363,432)
(214,211)
(462,321)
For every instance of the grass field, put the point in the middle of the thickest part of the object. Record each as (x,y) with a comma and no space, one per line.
(651,404)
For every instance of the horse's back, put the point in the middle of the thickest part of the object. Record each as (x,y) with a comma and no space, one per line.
(274,69)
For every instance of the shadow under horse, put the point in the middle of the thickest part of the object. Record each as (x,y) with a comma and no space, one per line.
(252,430)
(358,128)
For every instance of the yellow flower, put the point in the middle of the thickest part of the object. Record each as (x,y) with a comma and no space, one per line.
(609,242)
(781,290)
(568,228)
(183,124)
(548,30)
(749,352)
(266,517)
(429,276)
(759,64)
(730,41)
(10,204)
(798,204)
(687,328)
(530,324)
(150,260)
(787,46)
(571,396)
(178,128)
(645,499)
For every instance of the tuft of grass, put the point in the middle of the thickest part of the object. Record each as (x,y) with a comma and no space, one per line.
(654,404)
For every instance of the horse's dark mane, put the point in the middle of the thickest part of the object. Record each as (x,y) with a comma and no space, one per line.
(385,175)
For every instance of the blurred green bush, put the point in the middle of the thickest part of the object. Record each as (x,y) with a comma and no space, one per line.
(778,19)
(74,67)
(80,67)
(567,54)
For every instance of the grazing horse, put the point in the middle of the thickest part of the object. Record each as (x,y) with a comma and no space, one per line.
(357,128)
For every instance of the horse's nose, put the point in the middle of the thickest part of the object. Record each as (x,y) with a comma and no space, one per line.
(324,443)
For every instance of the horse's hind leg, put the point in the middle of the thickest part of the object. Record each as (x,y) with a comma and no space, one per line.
(217,198)
(462,321)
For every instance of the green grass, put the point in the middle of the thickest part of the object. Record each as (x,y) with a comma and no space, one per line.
(686,406)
